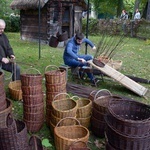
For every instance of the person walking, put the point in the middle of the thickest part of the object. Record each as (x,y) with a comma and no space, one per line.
(72,57)
(7,56)
(124,17)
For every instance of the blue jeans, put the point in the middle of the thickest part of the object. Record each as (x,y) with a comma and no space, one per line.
(75,63)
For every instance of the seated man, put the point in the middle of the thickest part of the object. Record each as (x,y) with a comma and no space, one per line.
(6,53)
(73,59)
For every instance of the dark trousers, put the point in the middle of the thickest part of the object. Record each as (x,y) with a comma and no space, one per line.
(12,68)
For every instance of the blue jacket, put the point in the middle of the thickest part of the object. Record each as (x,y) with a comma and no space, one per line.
(72,48)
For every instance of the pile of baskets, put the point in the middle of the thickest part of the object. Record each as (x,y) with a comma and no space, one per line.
(84,111)
(3,102)
(99,111)
(55,83)
(62,108)
(128,122)
(33,100)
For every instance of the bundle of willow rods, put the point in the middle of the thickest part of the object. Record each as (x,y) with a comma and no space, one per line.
(109,45)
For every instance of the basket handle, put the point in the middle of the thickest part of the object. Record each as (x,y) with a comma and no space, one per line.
(102,91)
(32,69)
(52,66)
(75,97)
(10,121)
(61,94)
(68,118)
(36,142)
(85,143)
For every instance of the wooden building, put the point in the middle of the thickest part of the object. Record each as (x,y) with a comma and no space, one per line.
(44,18)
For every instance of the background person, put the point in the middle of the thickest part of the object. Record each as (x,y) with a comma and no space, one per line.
(73,59)
(137,15)
(6,53)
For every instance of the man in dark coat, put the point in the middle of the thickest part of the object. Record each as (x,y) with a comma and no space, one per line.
(6,54)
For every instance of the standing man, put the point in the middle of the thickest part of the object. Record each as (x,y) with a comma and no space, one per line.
(6,53)
(73,59)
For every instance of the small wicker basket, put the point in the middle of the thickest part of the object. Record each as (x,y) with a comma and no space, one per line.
(64,108)
(64,136)
(84,108)
(15,90)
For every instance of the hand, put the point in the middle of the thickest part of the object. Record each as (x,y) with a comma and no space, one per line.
(5,60)
(12,57)
(81,60)
(94,48)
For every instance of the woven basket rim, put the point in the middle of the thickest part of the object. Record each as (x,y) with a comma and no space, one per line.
(129,120)
(84,99)
(8,107)
(58,101)
(71,126)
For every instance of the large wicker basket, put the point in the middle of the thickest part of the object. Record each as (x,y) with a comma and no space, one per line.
(55,75)
(65,136)
(31,77)
(129,117)
(122,141)
(15,90)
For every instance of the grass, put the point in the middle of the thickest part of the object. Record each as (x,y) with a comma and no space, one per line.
(135,56)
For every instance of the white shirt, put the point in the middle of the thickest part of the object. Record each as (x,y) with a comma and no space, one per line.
(137,15)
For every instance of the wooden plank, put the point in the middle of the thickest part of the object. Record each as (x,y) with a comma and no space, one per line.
(124,80)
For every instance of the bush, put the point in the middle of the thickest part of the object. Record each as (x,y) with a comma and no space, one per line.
(12,23)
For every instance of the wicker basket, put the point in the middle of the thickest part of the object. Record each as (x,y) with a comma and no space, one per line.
(34,126)
(31,79)
(55,87)
(4,114)
(14,136)
(35,143)
(98,93)
(79,145)
(64,108)
(85,121)
(101,103)
(1,77)
(31,90)
(33,99)
(15,90)
(56,76)
(39,108)
(98,127)
(51,95)
(129,117)
(64,136)
(3,102)
(98,115)
(33,116)
(116,64)
(84,108)
(55,120)
(121,141)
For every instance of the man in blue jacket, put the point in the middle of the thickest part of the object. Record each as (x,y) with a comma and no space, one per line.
(73,59)
(6,53)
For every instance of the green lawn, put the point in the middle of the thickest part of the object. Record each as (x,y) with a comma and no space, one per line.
(135,56)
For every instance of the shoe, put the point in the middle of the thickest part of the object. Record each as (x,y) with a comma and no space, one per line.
(95,81)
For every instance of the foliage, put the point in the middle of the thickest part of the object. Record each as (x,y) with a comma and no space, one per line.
(12,23)
(92,25)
